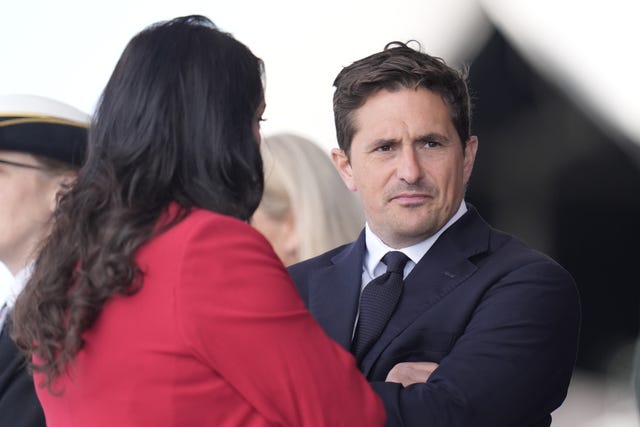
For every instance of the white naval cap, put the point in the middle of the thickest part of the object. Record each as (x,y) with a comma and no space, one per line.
(43,126)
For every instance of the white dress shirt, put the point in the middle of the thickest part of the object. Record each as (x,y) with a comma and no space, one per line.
(10,288)
(376,250)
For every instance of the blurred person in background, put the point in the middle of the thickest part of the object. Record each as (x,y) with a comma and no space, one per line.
(306,208)
(154,302)
(42,144)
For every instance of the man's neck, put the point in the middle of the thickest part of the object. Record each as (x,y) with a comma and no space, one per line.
(376,248)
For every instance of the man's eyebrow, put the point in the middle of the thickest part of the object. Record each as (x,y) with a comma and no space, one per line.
(433,136)
(380,142)
(385,141)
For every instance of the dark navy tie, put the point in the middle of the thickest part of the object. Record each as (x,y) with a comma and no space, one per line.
(377,302)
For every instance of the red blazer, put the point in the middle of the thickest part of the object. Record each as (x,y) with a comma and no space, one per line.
(217,336)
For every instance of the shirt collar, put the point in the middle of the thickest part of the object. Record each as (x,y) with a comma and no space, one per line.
(376,248)
(6,283)
(13,285)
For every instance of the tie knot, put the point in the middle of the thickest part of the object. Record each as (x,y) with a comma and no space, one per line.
(395,261)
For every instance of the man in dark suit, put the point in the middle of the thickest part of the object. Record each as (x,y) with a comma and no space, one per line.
(463,325)
(42,144)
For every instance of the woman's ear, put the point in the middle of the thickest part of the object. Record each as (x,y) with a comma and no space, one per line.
(60,182)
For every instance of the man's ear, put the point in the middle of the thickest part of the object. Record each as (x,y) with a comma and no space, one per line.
(470,150)
(343,165)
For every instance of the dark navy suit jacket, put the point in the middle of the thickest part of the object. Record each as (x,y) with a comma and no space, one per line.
(19,404)
(499,318)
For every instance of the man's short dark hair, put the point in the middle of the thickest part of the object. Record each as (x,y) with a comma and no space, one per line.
(398,66)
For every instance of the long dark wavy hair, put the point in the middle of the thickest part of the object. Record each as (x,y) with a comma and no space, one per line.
(175,124)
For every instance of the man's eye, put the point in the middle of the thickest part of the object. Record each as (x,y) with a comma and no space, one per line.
(384,148)
(432,144)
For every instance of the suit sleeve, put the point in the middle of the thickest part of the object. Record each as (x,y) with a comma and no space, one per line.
(241,314)
(512,364)
(19,404)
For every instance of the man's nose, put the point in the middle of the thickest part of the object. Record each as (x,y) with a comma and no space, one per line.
(409,169)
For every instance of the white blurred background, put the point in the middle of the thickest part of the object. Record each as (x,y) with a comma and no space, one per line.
(586,50)
(67,49)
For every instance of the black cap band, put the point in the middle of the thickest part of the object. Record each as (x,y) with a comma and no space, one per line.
(50,137)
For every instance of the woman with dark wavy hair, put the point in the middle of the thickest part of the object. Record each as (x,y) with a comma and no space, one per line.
(153,302)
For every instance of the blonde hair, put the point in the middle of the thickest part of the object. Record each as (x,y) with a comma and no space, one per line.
(300,178)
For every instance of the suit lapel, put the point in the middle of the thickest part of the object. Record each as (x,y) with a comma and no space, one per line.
(9,357)
(334,292)
(439,272)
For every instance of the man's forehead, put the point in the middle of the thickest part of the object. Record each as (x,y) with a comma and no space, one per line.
(387,113)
